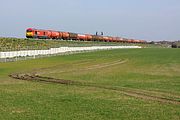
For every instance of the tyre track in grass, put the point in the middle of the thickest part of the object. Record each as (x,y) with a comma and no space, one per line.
(156,93)
(137,93)
(95,66)
(46,69)
(35,75)
(98,66)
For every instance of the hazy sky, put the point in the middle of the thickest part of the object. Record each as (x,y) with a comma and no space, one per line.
(139,19)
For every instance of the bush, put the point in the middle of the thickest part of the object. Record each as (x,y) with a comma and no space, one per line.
(174,45)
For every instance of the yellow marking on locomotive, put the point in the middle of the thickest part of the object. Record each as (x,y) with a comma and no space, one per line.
(29,34)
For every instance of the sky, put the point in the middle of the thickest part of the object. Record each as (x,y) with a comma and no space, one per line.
(152,20)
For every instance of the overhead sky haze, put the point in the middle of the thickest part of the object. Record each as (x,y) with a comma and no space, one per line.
(138,19)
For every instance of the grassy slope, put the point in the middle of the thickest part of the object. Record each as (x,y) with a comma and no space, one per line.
(11,44)
(145,69)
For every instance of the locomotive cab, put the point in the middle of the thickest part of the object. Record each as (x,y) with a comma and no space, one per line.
(29,33)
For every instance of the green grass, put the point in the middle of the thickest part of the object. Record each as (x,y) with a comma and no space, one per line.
(155,71)
(12,44)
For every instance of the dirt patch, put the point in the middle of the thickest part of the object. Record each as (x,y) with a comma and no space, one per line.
(34,77)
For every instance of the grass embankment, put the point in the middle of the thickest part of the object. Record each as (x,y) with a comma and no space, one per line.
(12,44)
(117,84)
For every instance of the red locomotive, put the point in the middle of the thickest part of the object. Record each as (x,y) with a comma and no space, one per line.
(50,34)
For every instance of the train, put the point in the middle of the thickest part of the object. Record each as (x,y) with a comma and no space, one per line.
(60,35)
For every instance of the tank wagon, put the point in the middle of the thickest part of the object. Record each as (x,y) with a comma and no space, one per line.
(51,34)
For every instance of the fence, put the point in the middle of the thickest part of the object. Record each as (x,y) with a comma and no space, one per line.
(32,54)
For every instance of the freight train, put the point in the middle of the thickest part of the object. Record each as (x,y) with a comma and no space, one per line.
(51,34)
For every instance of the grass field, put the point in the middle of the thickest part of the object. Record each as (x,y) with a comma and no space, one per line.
(124,84)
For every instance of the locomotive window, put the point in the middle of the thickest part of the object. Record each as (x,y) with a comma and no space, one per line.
(36,32)
(44,33)
(29,30)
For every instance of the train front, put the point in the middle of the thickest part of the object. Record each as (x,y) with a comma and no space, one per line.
(29,33)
